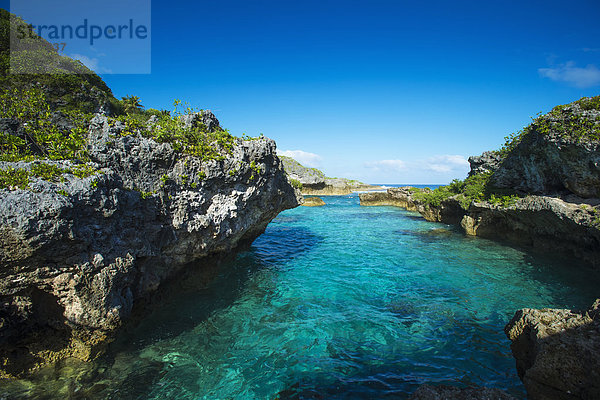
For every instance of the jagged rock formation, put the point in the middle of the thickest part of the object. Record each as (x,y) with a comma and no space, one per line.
(568,225)
(313,201)
(76,255)
(557,352)
(430,392)
(559,153)
(553,165)
(400,197)
(314,181)
(305,175)
(488,161)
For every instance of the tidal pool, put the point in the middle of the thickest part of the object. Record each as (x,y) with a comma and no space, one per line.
(333,302)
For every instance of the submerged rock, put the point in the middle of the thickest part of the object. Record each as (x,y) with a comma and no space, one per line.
(430,392)
(557,352)
(566,225)
(76,255)
(313,201)
(540,190)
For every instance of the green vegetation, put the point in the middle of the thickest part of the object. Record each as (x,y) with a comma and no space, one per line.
(146,195)
(32,62)
(561,121)
(47,101)
(475,188)
(13,178)
(256,170)
(596,214)
(47,172)
(131,104)
(39,137)
(82,171)
(585,103)
(195,140)
(296,184)
(577,128)
(246,137)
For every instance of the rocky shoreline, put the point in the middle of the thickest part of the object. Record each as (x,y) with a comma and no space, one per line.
(566,225)
(313,182)
(77,254)
(557,352)
(540,191)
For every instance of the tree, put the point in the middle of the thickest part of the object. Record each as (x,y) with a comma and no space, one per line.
(131,104)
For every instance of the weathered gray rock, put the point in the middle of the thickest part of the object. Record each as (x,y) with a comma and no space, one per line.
(305,175)
(315,183)
(545,223)
(430,392)
(489,161)
(548,162)
(205,117)
(557,352)
(400,197)
(75,255)
(569,225)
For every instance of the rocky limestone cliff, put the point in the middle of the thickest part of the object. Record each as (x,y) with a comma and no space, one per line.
(562,225)
(557,352)
(76,254)
(314,182)
(558,153)
(37,64)
(550,171)
(540,190)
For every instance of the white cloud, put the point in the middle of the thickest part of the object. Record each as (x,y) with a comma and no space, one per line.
(307,159)
(446,163)
(91,63)
(570,73)
(439,164)
(386,165)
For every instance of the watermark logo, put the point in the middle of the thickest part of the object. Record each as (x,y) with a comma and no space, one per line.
(107,37)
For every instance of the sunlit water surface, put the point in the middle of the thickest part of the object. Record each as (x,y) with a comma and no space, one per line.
(333,302)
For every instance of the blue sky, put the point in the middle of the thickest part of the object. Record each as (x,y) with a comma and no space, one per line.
(382,91)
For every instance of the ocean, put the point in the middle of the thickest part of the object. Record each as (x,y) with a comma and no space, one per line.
(332,302)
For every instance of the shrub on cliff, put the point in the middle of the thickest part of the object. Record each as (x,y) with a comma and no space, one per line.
(578,121)
(477,187)
(35,63)
(182,129)
(35,132)
(31,130)
(296,184)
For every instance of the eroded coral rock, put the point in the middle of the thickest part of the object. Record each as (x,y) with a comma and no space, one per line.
(557,352)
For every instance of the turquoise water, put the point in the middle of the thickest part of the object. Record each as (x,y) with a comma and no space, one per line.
(333,302)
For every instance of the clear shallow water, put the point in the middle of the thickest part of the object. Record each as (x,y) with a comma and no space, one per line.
(341,302)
